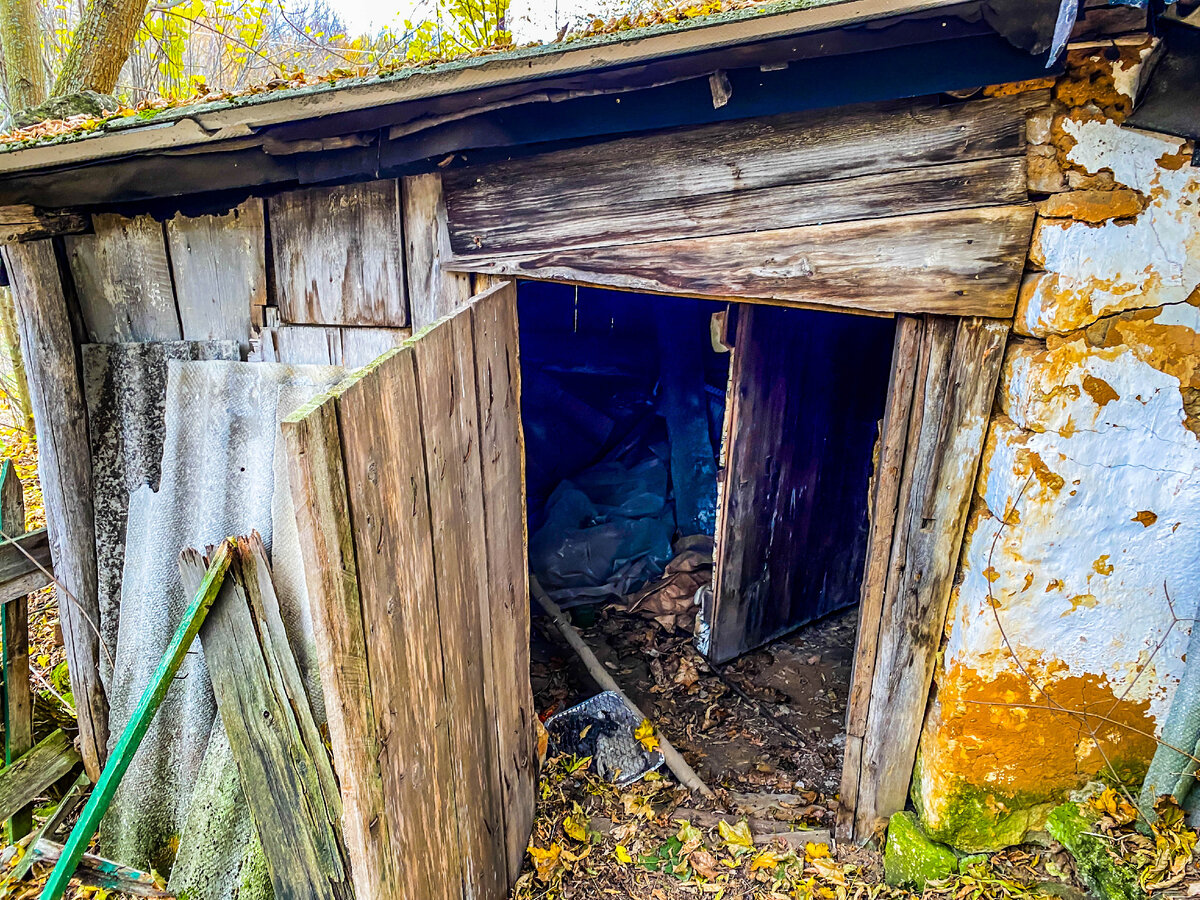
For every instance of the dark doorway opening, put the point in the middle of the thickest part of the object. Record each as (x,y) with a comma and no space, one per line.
(661,430)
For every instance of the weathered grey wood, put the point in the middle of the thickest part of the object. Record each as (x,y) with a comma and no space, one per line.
(432,291)
(959,262)
(319,496)
(352,347)
(26,556)
(390,522)
(289,785)
(24,222)
(446,391)
(502,456)
(219,266)
(337,255)
(123,280)
(97,871)
(14,630)
(23,781)
(958,367)
(693,180)
(65,473)
(928,189)
(884,512)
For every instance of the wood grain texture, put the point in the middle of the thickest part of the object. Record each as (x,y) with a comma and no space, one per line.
(432,291)
(927,189)
(958,365)
(502,457)
(319,496)
(65,472)
(446,391)
(329,345)
(958,262)
(123,280)
(281,759)
(680,167)
(14,631)
(390,522)
(23,222)
(219,266)
(884,511)
(23,781)
(338,255)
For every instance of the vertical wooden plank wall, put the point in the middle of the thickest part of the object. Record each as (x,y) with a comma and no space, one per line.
(434,517)
(953,376)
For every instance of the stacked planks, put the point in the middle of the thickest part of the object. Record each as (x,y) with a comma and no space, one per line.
(896,207)
(413,532)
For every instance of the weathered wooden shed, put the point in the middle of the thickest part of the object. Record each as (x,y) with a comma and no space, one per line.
(856,186)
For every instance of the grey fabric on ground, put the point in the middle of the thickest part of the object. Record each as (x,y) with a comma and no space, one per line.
(125,386)
(224,473)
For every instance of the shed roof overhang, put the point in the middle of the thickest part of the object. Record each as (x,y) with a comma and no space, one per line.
(778,57)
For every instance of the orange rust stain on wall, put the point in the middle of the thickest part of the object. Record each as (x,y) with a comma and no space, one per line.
(1004,733)
(1031,462)
(1099,390)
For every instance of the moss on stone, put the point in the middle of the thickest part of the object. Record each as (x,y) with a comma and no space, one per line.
(1105,876)
(911,859)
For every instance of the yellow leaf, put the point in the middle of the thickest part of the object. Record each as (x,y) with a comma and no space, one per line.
(737,837)
(645,736)
(816,851)
(43,661)
(688,832)
(622,855)
(545,862)
(576,826)
(764,860)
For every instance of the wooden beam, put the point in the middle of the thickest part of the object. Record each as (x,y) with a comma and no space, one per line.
(24,563)
(338,256)
(24,780)
(962,262)
(96,871)
(139,722)
(958,364)
(25,222)
(319,496)
(281,758)
(432,291)
(123,280)
(14,637)
(65,472)
(795,169)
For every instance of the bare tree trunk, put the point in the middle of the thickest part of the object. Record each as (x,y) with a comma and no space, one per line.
(20,39)
(100,46)
(8,332)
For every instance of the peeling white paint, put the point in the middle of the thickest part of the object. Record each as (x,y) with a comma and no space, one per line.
(1097,270)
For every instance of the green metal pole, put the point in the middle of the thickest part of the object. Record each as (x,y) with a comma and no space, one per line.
(131,737)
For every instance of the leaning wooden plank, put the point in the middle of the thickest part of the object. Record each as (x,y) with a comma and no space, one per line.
(123,280)
(284,770)
(24,780)
(940,467)
(319,496)
(885,498)
(388,500)
(337,255)
(963,262)
(219,267)
(14,637)
(65,472)
(502,456)
(28,556)
(139,721)
(547,192)
(445,363)
(432,291)
(929,189)
(96,871)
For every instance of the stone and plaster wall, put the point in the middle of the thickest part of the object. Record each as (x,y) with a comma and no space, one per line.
(1062,651)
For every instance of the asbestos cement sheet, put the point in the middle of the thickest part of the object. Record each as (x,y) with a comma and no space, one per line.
(223,472)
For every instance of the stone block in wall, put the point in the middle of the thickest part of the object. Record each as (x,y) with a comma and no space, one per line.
(1095,269)
(1086,512)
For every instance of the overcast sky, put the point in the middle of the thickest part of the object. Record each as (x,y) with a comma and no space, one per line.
(530,20)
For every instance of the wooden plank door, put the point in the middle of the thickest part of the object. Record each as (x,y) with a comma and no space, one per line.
(408,481)
(806,390)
